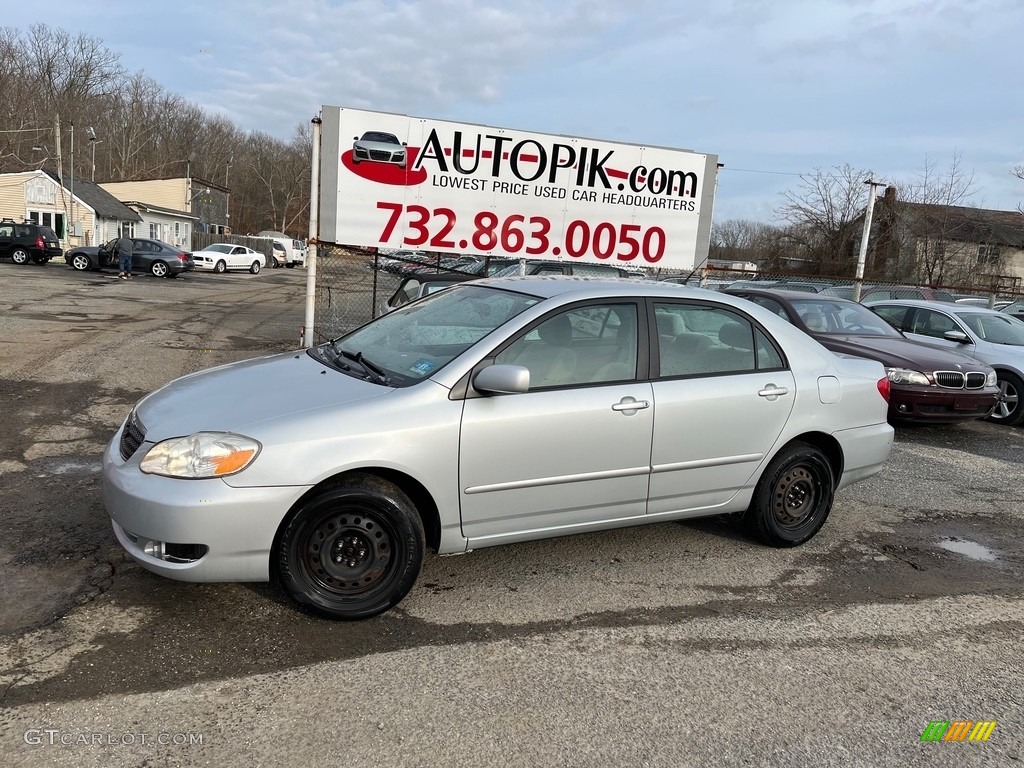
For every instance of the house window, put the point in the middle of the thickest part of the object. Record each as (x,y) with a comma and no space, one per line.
(154,231)
(53,220)
(988,254)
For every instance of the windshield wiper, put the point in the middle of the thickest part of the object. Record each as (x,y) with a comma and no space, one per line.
(375,372)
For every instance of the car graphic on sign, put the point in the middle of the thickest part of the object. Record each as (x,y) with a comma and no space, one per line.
(378,147)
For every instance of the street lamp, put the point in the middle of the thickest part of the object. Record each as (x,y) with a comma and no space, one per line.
(93,141)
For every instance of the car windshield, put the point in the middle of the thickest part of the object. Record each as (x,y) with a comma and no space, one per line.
(842,318)
(415,342)
(384,138)
(998,329)
(219,248)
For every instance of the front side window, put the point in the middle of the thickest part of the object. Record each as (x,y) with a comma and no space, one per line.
(928,322)
(584,345)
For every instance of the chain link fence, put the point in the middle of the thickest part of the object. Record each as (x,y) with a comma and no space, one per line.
(354,284)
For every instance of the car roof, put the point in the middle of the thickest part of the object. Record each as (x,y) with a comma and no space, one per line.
(787,295)
(551,286)
(955,309)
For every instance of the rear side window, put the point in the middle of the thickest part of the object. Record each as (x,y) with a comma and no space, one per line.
(894,316)
(703,340)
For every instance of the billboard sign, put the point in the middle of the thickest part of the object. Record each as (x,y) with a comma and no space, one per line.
(395,181)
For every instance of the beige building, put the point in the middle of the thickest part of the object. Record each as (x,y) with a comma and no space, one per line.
(159,223)
(205,201)
(89,217)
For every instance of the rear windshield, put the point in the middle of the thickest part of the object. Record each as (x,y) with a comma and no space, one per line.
(47,233)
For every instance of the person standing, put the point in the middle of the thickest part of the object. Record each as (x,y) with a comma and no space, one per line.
(124,256)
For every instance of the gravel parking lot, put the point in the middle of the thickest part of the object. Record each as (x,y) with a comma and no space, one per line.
(664,645)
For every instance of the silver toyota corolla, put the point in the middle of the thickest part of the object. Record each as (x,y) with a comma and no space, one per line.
(496,411)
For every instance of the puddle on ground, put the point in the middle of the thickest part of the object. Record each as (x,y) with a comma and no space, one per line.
(73,467)
(970,549)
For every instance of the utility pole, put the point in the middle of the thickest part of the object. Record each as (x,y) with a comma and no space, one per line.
(858,282)
(72,230)
(60,176)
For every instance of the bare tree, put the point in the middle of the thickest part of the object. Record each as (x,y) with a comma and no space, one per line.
(824,214)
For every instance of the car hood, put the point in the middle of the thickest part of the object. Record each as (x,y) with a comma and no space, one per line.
(900,353)
(238,396)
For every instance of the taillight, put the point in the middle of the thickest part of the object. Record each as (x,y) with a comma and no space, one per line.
(182,257)
(883,388)
(40,244)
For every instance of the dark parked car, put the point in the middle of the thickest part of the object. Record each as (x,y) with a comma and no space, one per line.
(28,242)
(923,292)
(154,256)
(417,286)
(927,385)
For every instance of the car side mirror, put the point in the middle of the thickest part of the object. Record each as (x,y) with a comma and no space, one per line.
(502,380)
(958,336)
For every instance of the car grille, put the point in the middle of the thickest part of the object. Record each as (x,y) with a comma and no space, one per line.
(132,437)
(959,380)
(376,154)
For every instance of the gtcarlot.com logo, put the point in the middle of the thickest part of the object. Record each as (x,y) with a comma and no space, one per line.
(57,737)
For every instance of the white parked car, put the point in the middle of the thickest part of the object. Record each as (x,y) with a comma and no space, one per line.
(993,337)
(491,412)
(220,257)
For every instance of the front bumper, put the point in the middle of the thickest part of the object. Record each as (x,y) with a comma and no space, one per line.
(940,406)
(234,528)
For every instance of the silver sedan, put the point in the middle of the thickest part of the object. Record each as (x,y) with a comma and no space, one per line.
(496,411)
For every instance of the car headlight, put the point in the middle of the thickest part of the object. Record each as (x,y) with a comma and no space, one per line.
(204,454)
(992,379)
(907,376)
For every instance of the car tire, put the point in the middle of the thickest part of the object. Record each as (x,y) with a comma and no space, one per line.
(1010,408)
(160,269)
(220,267)
(19,256)
(254,268)
(290,265)
(793,498)
(351,551)
(80,262)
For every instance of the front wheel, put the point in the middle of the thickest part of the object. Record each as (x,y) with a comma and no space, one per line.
(290,265)
(793,497)
(352,551)
(1010,408)
(159,269)
(19,256)
(220,266)
(254,268)
(80,262)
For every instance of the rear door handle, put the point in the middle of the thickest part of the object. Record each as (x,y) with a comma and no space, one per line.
(771,392)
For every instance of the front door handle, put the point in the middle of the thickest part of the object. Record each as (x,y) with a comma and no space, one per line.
(630,404)
(771,392)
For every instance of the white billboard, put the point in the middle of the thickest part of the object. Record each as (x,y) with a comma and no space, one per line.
(395,181)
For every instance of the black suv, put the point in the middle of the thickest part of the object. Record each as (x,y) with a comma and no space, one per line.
(28,241)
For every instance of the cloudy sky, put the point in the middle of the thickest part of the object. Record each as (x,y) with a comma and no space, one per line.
(776,88)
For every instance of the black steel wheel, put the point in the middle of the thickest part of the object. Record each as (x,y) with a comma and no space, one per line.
(19,256)
(352,551)
(1010,408)
(793,497)
(220,266)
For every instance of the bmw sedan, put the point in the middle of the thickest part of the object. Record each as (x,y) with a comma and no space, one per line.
(154,256)
(992,337)
(492,412)
(928,385)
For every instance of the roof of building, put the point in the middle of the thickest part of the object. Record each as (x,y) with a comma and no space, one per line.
(965,224)
(105,204)
(160,209)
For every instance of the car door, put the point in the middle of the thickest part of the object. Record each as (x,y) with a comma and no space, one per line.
(723,394)
(573,451)
(142,255)
(929,326)
(238,257)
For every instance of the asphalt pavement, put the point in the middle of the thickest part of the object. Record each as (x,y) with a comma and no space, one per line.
(663,645)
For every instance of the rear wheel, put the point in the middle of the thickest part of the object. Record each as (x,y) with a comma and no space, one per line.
(19,256)
(220,266)
(793,497)
(352,551)
(290,265)
(80,262)
(159,269)
(1010,409)
(255,267)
